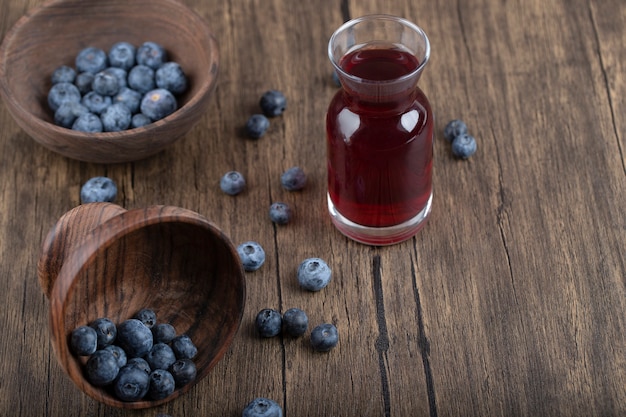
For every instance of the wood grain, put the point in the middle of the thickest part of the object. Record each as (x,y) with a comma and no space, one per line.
(512,300)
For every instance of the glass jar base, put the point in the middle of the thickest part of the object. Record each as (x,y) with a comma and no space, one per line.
(380,236)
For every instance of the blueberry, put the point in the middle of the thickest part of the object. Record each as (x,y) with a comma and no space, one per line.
(84,341)
(88,122)
(96,103)
(151,54)
(232,183)
(257,125)
(158,104)
(464,146)
(295,322)
(324,337)
(98,189)
(314,274)
(262,407)
(293,179)
(139,363)
(252,255)
(68,112)
(101,368)
(163,333)
(118,352)
(280,213)
(139,120)
(147,316)
(162,384)
(122,55)
(141,78)
(453,129)
(83,82)
(170,76)
(184,347)
(61,93)
(105,330)
(116,118)
(63,74)
(183,371)
(120,74)
(273,103)
(128,97)
(161,356)
(91,59)
(105,84)
(134,337)
(268,322)
(131,384)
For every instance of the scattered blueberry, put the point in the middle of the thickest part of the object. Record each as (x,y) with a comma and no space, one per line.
(252,255)
(139,120)
(464,146)
(101,368)
(262,407)
(98,189)
(68,112)
(161,356)
(163,333)
(293,179)
(91,60)
(141,78)
(183,371)
(116,118)
(158,104)
(183,347)
(105,84)
(273,103)
(268,322)
(232,183)
(170,76)
(162,384)
(84,341)
(314,274)
(324,337)
(131,384)
(131,99)
(83,82)
(122,55)
(151,54)
(280,213)
(63,74)
(147,316)
(257,125)
(453,129)
(118,352)
(134,337)
(295,322)
(62,92)
(96,103)
(106,331)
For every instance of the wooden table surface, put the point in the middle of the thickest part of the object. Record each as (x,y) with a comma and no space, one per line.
(512,300)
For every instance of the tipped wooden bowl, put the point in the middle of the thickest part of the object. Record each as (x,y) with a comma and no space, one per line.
(100,260)
(53,34)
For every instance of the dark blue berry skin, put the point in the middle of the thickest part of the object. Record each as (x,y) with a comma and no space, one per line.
(170,76)
(96,103)
(293,179)
(262,407)
(280,213)
(158,104)
(116,118)
(68,112)
(147,316)
(139,363)
(324,337)
(91,60)
(453,129)
(314,274)
(141,78)
(84,341)
(105,330)
(273,103)
(63,74)
(232,183)
(162,384)
(119,354)
(295,322)
(131,384)
(128,97)
(122,55)
(252,255)
(101,368)
(61,93)
(83,82)
(105,84)
(151,54)
(268,322)
(139,120)
(183,347)
(134,337)
(256,126)
(163,333)
(183,371)
(98,190)
(161,356)
(464,146)
(88,122)
(120,74)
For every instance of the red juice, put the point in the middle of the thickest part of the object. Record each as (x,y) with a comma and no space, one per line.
(379,140)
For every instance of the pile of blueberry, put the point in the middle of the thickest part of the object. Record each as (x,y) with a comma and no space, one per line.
(137,359)
(124,88)
(463,144)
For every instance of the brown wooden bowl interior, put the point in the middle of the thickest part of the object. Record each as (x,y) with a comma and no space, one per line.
(165,258)
(53,34)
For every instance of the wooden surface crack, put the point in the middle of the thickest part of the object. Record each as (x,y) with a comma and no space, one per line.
(382,341)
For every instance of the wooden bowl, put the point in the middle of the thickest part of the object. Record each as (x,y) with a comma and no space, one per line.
(53,34)
(100,260)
